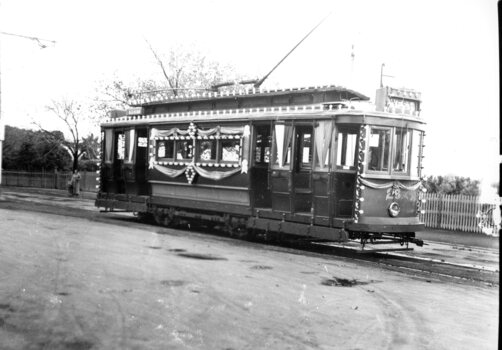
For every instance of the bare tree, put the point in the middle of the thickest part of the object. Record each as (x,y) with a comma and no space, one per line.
(182,71)
(71,114)
(190,70)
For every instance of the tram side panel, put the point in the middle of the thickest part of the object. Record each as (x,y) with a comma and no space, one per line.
(200,167)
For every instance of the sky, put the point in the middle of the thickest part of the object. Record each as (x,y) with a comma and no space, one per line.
(446,49)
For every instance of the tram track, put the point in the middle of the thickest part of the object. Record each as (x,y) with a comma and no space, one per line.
(416,264)
(425,267)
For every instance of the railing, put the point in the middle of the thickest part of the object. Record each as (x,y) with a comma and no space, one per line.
(51,180)
(461,213)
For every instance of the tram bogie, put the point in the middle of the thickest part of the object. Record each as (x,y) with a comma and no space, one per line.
(303,162)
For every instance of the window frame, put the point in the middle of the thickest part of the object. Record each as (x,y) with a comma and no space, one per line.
(344,131)
(219,150)
(408,133)
(266,142)
(198,153)
(300,130)
(273,156)
(392,153)
(217,139)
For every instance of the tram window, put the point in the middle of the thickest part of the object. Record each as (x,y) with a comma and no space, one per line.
(305,149)
(402,143)
(183,150)
(263,142)
(165,149)
(230,150)
(142,142)
(415,153)
(121,146)
(206,150)
(323,135)
(108,134)
(161,149)
(346,150)
(379,149)
(282,145)
(130,140)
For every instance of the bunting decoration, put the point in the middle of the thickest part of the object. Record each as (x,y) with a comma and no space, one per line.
(360,168)
(191,168)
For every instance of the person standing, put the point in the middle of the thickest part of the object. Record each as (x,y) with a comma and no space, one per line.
(75,181)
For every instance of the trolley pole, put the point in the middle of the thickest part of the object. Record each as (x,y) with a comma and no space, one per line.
(40,43)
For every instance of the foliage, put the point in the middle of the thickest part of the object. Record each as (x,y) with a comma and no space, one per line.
(182,70)
(31,151)
(452,185)
(71,114)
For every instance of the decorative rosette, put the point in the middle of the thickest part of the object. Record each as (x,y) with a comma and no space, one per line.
(190,173)
(192,130)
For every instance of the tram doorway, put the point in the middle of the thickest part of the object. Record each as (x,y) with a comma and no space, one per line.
(345,173)
(141,161)
(291,168)
(134,164)
(301,191)
(118,162)
(259,174)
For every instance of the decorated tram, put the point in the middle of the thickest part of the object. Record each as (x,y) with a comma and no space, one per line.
(319,162)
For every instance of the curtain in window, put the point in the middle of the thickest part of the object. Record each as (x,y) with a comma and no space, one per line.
(283,135)
(323,140)
(108,145)
(130,141)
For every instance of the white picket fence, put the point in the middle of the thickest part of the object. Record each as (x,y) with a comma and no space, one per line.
(462,213)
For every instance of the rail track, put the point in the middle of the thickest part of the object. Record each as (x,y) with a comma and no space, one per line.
(423,267)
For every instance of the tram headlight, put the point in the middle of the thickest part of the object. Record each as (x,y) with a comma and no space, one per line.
(394,209)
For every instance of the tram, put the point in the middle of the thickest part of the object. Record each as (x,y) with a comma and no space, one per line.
(319,162)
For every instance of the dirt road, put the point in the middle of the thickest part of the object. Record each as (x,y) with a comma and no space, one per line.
(70,283)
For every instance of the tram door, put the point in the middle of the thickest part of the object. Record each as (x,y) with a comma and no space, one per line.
(345,171)
(118,162)
(291,168)
(141,161)
(301,191)
(260,176)
(134,161)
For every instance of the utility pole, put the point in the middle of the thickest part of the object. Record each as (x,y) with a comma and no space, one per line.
(42,43)
(383,75)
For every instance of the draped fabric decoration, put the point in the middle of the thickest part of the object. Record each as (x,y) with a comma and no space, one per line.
(108,146)
(215,175)
(283,135)
(212,175)
(190,169)
(221,130)
(169,172)
(323,140)
(166,133)
(390,184)
(130,141)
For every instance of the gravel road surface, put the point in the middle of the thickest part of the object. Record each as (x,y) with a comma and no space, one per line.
(77,283)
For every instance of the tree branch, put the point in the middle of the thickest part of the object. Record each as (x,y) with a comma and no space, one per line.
(159,61)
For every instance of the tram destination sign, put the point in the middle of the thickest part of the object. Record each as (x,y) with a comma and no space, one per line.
(135,111)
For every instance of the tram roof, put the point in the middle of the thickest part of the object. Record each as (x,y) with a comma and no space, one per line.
(164,97)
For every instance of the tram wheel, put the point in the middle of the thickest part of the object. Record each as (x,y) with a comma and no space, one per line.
(164,217)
